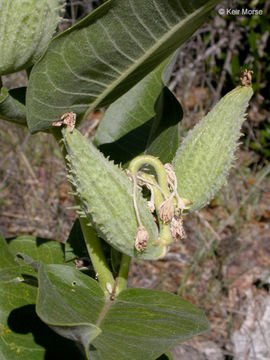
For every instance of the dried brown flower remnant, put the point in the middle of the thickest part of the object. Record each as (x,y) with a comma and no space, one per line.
(246,77)
(79,263)
(166,210)
(141,238)
(170,174)
(82,263)
(177,229)
(68,119)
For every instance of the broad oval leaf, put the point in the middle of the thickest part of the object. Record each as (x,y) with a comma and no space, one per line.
(40,249)
(93,63)
(26,27)
(75,301)
(22,335)
(138,324)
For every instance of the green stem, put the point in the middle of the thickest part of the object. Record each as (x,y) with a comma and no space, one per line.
(97,257)
(91,239)
(142,160)
(134,166)
(123,273)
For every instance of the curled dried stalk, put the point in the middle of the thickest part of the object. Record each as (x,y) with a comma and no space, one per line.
(167,202)
(160,191)
(164,229)
(141,236)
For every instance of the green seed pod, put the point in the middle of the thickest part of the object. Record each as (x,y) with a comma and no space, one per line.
(26,27)
(204,158)
(106,198)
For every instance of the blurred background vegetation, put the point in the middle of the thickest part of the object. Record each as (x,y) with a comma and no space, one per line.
(223,264)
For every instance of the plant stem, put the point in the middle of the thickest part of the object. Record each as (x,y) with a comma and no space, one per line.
(91,239)
(123,273)
(97,257)
(161,192)
(142,160)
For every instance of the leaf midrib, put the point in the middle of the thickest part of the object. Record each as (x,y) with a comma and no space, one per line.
(105,309)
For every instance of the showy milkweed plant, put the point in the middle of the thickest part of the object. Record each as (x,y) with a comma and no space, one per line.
(132,187)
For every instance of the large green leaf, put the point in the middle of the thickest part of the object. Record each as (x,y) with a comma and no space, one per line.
(12,106)
(96,61)
(138,324)
(70,302)
(144,120)
(22,335)
(46,250)
(26,27)
(132,109)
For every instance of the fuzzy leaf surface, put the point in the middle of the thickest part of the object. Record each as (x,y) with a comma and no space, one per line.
(144,120)
(22,335)
(96,61)
(138,324)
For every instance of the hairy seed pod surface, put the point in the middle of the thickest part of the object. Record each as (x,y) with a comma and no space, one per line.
(205,156)
(26,27)
(105,195)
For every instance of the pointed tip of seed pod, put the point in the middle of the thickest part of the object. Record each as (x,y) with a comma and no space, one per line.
(186,202)
(141,239)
